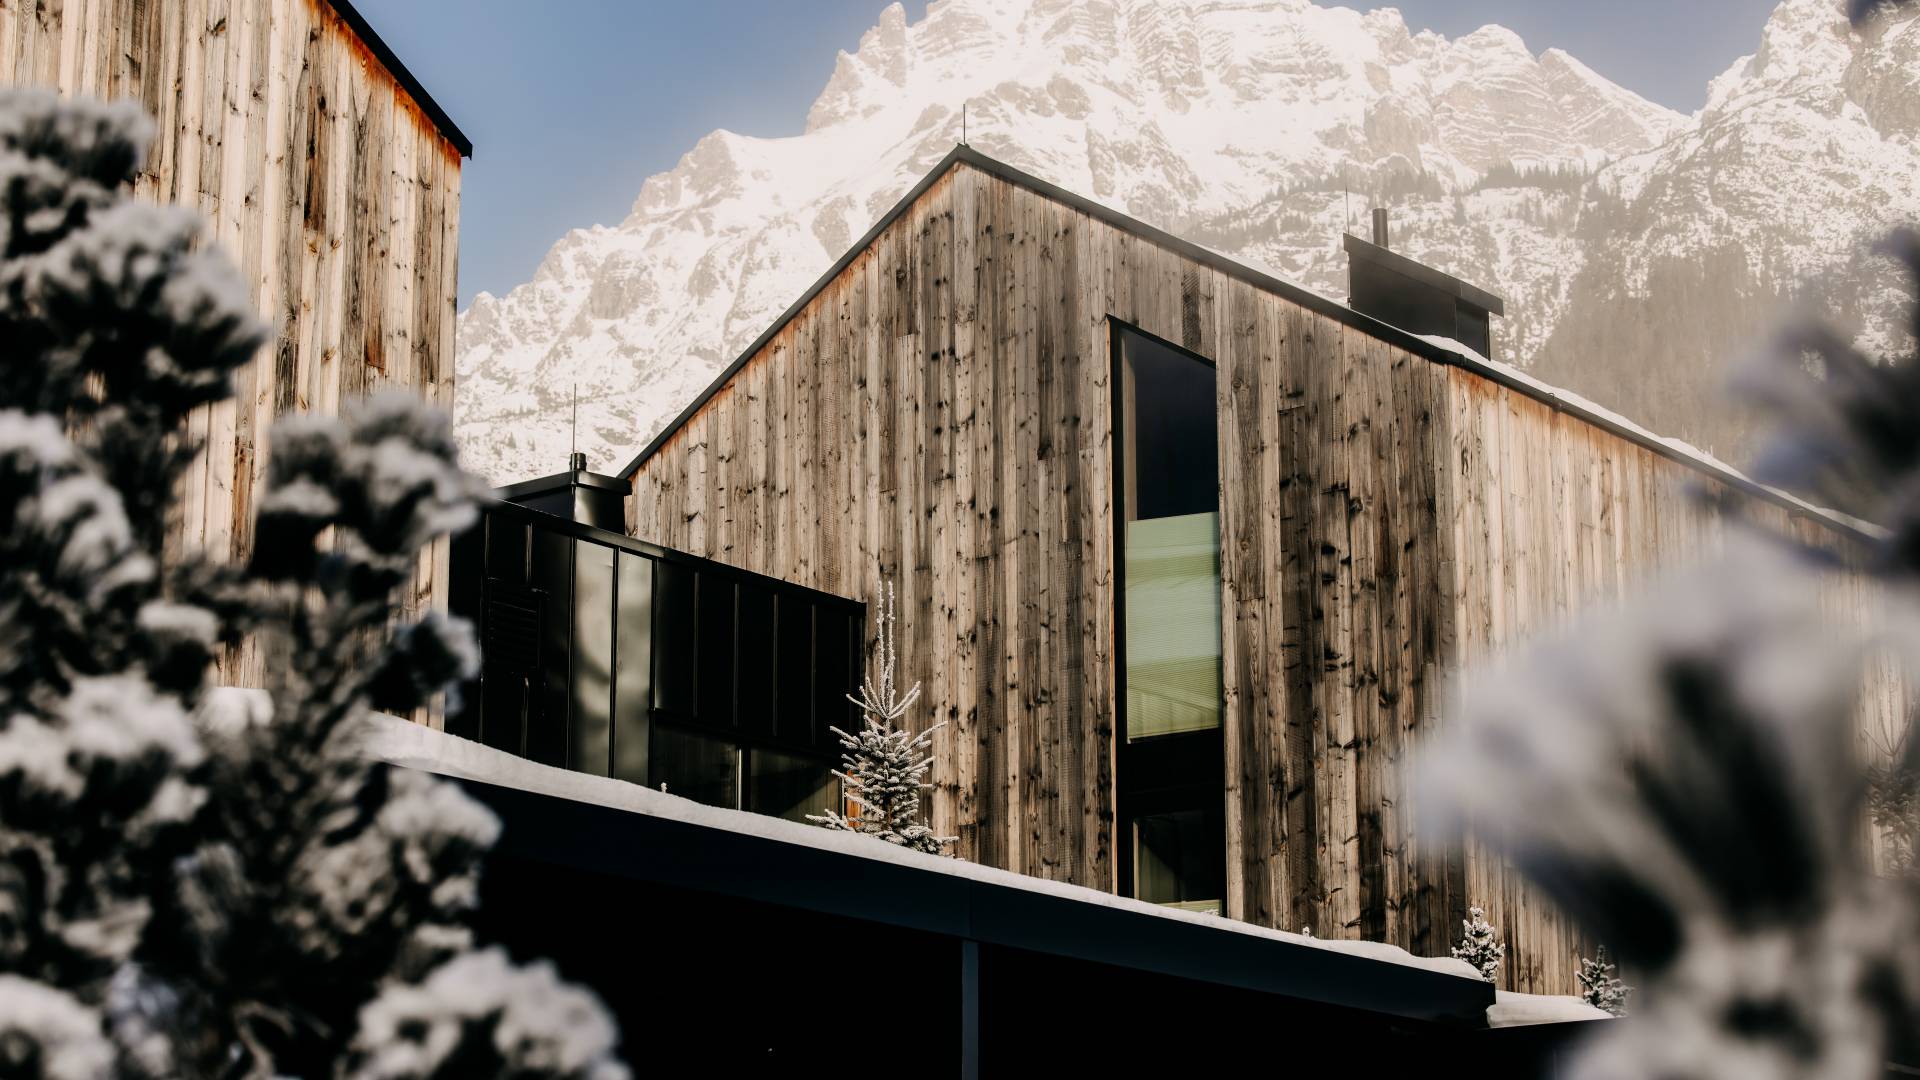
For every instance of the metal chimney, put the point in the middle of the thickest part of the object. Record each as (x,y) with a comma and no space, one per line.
(1380,227)
(577,495)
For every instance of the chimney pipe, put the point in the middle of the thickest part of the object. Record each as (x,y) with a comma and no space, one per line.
(576,462)
(1380,227)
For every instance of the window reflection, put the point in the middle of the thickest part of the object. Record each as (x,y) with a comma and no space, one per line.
(1177,860)
(695,766)
(791,786)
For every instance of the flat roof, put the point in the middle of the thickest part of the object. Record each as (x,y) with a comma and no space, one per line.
(382,52)
(613,827)
(1419,345)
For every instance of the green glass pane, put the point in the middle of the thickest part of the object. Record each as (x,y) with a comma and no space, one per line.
(791,786)
(1173,625)
(695,766)
(1175,860)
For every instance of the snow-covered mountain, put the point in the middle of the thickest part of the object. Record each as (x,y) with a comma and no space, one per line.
(1608,222)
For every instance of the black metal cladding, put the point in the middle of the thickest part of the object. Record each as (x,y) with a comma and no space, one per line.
(1416,297)
(590,640)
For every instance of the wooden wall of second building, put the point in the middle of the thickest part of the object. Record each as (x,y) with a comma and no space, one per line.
(1552,516)
(940,415)
(336,197)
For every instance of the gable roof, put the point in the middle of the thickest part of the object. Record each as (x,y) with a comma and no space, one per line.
(1437,350)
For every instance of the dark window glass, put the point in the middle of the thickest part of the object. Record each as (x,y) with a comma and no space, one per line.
(832,674)
(633,668)
(794,675)
(791,786)
(590,740)
(696,765)
(673,640)
(1172,440)
(1177,860)
(715,708)
(546,739)
(754,658)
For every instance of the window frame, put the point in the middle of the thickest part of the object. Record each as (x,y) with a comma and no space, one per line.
(1179,770)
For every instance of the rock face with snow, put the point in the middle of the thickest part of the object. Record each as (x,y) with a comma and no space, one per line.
(1242,126)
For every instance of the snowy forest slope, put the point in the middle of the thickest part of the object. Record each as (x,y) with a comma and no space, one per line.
(1635,246)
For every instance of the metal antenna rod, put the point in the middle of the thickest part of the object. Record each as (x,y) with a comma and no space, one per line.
(574,442)
(963,123)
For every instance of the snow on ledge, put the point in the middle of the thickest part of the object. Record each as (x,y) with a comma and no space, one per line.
(1586,409)
(1512,1009)
(416,746)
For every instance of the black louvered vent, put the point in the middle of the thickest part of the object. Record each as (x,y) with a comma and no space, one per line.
(512,622)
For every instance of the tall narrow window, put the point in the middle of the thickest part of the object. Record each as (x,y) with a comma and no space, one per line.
(1171,788)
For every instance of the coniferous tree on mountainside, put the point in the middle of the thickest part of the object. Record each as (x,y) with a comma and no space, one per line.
(187,889)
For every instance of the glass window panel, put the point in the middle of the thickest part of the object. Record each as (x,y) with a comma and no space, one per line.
(590,734)
(715,706)
(794,679)
(1176,860)
(832,675)
(1171,556)
(791,786)
(673,643)
(696,766)
(755,661)
(633,668)
(1173,625)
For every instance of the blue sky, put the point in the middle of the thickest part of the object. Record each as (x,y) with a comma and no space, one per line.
(572,104)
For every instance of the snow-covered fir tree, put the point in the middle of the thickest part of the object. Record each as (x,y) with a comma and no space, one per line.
(1601,985)
(1479,945)
(885,764)
(193,884)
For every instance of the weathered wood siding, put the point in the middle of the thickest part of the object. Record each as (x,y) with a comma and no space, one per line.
(941,414)
(1551,515)
(336,197)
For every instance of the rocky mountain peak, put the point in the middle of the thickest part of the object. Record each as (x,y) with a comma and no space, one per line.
(1253,128)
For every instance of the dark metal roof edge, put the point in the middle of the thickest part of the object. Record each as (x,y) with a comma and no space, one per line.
(767,869)
(556,481)
(1360,247)
(450,130)
(1307,298)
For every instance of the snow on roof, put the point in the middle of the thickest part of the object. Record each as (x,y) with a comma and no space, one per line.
(416,746)
(1585,408)
(1513,1009)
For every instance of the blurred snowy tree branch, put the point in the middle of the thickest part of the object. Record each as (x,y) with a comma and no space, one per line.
(1685,777)
(185,892)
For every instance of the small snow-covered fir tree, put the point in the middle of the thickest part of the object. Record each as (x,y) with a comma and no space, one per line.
(1479,946)
(885,764)
(188,889)
(1600,984)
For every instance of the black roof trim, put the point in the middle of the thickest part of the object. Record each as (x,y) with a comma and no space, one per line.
(557,481)
(1358,248)
(550,829)
(1312,301)
(405,78)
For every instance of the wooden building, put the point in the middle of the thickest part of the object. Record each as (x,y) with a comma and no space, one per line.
(326,171)
(990,400)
